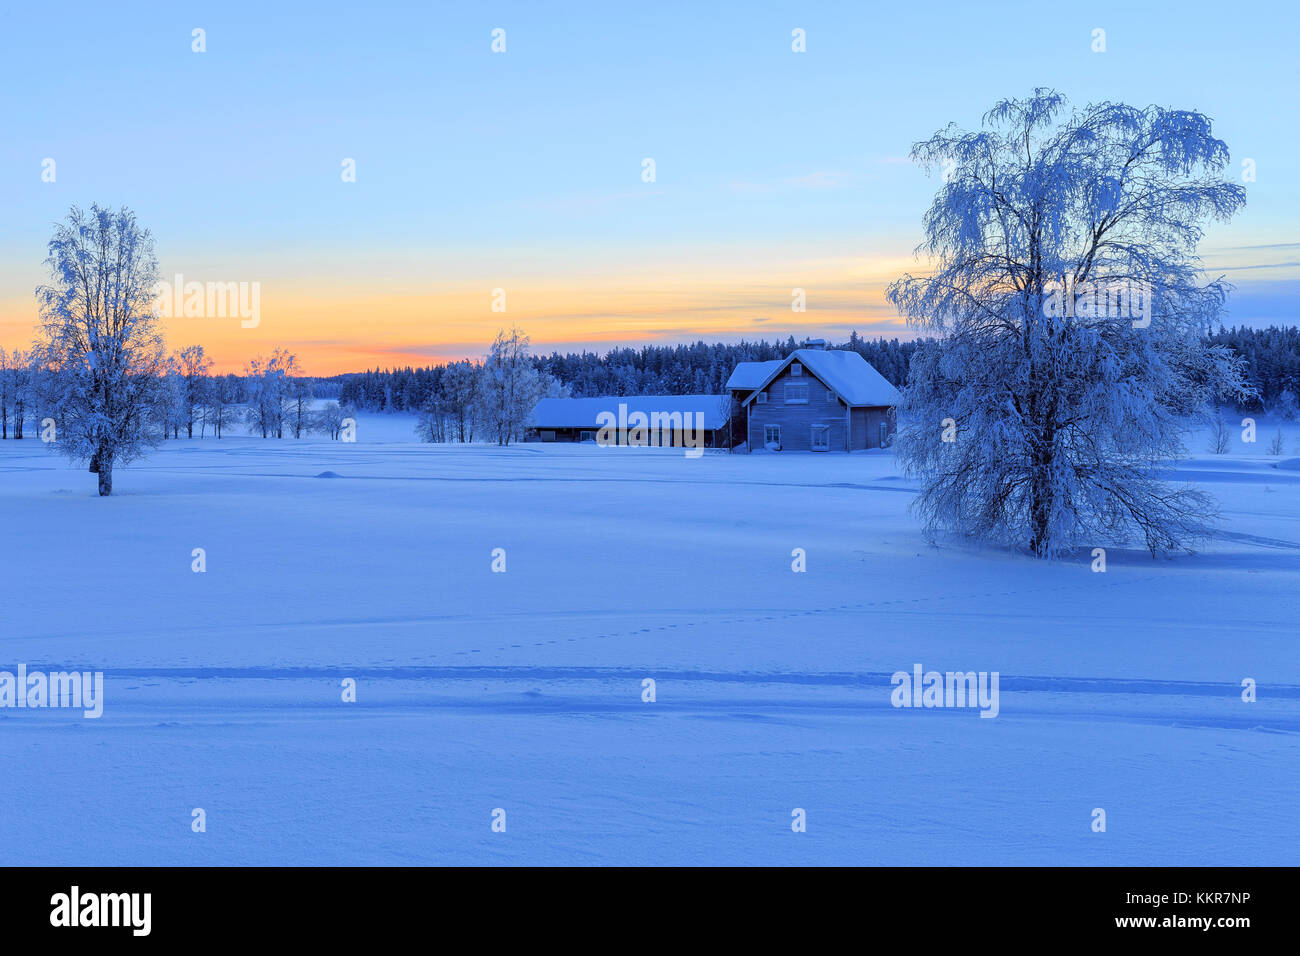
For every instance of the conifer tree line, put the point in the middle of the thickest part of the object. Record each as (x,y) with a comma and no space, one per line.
(1272,357)
(697,369)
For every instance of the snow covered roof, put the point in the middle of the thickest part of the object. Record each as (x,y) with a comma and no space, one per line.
(582,412)
(753,374)
(846,373)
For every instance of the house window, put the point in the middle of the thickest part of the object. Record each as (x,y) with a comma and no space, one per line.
(548,436)
(821,438)
(772,436)
(796,369)
(796,394)
(762,398)
(586,436)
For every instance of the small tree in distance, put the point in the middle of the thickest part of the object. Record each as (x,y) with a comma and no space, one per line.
(329,420)
(1220,437)
(459,399)
(221,410)
(510,387)
(195,366)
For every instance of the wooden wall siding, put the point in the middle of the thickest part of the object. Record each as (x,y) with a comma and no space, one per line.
(674,439)
(796,421)
(557,434)
(733,430)
(866,427)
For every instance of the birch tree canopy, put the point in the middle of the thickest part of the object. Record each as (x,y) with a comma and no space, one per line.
(1071,312)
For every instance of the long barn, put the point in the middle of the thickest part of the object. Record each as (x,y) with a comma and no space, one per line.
(664,416)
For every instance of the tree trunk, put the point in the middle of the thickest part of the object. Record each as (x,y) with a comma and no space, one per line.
(106,479)
(1040,505)
(94,462)
(1038,520)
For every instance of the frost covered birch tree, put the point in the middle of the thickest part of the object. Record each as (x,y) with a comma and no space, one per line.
(195,367)
(18,377)
(1070,308)
(100,348)
(460,395)
(510,387)
(268,385)
(221,410)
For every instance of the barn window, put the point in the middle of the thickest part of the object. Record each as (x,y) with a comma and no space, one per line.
(796,369)
(821,438)
(772,436)
(762,398)
(796,394)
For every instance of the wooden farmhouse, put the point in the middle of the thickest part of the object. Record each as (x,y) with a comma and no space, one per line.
(815,399)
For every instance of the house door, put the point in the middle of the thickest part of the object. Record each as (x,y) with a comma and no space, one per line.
(821,438)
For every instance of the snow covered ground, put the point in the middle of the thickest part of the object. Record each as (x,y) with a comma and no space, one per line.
(523,690)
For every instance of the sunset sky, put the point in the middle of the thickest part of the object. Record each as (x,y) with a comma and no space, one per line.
(522,170)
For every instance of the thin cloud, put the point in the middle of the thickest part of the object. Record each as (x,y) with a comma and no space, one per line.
(820,179)
(1259,265)
(1267,245)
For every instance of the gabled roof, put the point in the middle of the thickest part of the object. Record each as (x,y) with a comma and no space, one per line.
(845,373)
(752,374)
(582,412)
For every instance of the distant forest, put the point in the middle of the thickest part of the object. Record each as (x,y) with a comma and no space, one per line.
(698,369)
(1273,359)
(1272,354)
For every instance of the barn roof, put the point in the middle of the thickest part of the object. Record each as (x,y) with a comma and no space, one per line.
(752,374)
(846,373)
(582,412)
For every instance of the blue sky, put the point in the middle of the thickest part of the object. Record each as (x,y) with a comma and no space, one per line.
(522,170)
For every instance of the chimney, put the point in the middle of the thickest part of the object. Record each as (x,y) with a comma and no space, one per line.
(815,344)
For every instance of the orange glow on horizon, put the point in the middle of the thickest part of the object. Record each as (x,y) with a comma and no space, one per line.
(336,327)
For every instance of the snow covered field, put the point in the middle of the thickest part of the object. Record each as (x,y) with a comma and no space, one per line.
(523,690)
